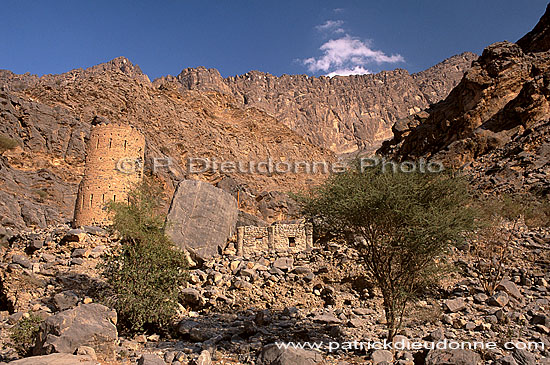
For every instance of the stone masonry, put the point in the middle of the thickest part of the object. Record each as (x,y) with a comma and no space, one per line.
(296,236)
(114,163)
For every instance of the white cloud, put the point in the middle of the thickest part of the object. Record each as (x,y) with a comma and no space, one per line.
(357,70)
(333,26)
(348,53)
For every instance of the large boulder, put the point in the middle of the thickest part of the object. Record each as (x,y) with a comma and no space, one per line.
(56,359)
(201,218)
(523,357)
(90,325)
(273,355)
(150,359)
(452,357)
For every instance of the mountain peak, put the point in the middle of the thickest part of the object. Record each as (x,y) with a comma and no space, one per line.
(538,40)
(119,64)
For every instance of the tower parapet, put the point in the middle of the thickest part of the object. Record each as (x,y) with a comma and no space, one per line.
(114,163)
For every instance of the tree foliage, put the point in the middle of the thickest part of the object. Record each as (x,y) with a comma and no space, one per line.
(146,273)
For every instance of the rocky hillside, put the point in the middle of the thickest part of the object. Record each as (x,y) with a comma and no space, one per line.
(51,116)
(234,308)
(495,122)
(252,117)
(538,40)
(343,114)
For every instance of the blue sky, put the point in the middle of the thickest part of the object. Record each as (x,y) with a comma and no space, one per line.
(314,37)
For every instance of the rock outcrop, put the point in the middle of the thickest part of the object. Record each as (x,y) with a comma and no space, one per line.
(472,109)
(201,218)
(92,325)
(494,123)
(538,40)
(343,114)
(38,179)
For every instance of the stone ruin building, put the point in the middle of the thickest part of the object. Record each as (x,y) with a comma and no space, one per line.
(293,237)
(114,163)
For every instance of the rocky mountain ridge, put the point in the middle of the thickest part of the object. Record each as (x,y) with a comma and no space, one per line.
(197,114)
(494,123)
(344,114)
(50,117)
(14,82)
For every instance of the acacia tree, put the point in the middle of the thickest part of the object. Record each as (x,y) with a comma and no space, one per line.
(401,223)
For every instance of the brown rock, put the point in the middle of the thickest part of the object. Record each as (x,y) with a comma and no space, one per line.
(343,114)
(56,359)
(499,299)
(538,40)
(380,356)
(494,123)
(201,218)
(455,305)
(150,359)
(510,288)
(90,325)
(204,358)
(452,357)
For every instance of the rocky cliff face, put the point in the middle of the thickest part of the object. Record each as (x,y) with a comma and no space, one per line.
(196,114)
(537,40)
(343,114)
(38,180)
(494,122)
(50,117)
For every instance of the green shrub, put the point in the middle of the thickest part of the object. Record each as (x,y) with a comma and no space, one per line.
(23,334)
(535,210)
(402,223)
(145,274)
(7,143)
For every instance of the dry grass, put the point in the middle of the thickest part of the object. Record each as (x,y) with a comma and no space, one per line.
(492,254)
(7,143)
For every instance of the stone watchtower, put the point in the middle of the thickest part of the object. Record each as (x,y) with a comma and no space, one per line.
(114,163)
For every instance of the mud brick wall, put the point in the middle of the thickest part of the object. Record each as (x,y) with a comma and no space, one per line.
(114,163)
